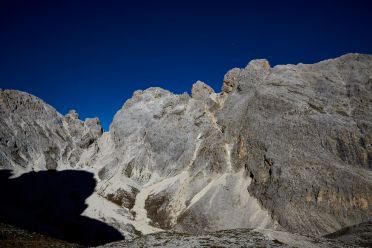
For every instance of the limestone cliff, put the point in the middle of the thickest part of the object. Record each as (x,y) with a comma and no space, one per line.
(34,136)
(286,147)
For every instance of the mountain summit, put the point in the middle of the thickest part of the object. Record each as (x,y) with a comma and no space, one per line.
(286,148)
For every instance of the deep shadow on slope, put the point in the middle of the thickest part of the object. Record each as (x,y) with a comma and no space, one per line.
(360,234)
(14,237)
(51,203)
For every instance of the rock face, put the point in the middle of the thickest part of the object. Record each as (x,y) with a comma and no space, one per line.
(286,148)
(230,238)
(359,234)
(34,136)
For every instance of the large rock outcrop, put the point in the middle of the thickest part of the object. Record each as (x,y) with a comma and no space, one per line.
(304,135)
(34,136)
(287,148)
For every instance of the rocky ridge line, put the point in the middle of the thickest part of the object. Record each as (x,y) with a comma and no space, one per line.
(286,148)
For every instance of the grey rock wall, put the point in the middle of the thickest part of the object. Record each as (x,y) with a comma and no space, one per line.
(286,147)
(34,136)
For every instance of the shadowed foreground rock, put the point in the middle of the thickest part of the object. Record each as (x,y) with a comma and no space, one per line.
(13,237)
(360,234)
(230,238)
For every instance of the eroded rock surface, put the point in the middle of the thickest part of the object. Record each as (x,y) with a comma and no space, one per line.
(230,238)
(284,148)
(34,136)
(298,137)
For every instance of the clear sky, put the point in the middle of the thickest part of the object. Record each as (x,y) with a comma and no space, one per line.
(91,55)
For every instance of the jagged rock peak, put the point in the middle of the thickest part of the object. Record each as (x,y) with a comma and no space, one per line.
(72,114)
(34,136)
(201,91)
(259,64)
(287,148)
(19,101)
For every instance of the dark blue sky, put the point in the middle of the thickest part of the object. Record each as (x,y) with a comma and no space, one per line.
(92,55)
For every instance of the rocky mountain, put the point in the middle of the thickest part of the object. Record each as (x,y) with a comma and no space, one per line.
(286,148)
(34,136)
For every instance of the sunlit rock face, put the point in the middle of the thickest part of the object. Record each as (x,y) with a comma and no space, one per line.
(304,135)
(286,148)
(34,136)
